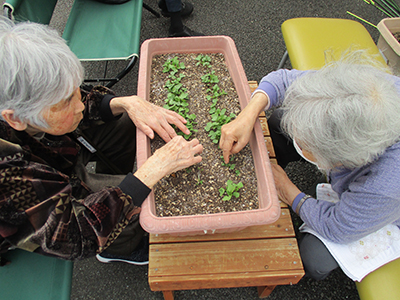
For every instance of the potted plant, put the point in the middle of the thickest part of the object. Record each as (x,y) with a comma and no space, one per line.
(269,207)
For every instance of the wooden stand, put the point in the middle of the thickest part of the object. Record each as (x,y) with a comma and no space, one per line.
(263,256)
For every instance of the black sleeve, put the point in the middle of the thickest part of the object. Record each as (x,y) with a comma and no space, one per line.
(133,187)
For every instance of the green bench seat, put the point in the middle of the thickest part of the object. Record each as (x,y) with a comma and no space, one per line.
(35,277)
(94,31)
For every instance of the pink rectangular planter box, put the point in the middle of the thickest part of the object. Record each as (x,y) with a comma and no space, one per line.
(269,210)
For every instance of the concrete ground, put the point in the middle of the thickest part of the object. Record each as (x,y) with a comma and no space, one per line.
(254,25)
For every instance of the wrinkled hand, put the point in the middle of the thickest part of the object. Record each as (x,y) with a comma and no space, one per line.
(173,156)
(178,154)
(150,118)
(286,189)
(235,136)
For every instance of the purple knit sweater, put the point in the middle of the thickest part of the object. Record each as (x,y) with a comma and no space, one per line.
(369,196)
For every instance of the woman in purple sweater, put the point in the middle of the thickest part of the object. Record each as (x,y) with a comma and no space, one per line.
(345,118)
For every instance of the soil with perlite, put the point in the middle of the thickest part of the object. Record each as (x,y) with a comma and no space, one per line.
(196,190)
(397,36)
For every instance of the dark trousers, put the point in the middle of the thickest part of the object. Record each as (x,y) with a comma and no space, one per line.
(117,141)
(317,261)
(283,144)
(170,5)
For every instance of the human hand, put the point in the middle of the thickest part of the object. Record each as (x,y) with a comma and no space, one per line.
(173,156)
(150,118)
(286,189)
(235,136)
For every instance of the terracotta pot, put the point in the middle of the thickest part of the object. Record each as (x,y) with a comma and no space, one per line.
(269,210)
(388,44)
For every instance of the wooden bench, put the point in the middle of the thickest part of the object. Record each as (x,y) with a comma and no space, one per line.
(263,256)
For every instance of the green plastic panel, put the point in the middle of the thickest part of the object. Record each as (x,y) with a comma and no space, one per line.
(39,11)
(97,31)
(94,31)
(35,277)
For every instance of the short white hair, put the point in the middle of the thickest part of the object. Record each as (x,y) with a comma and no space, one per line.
(37,69)
(345,114)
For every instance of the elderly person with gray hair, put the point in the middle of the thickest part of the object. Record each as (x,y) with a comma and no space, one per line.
(49,203)
(345,118)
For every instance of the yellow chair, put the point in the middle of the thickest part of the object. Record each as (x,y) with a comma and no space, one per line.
(310,40)
(382,284)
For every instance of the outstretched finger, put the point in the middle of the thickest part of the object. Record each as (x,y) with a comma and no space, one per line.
(176,115)
(178,121)
(226,145)
(167,132)
(182,127)
(197,148)
(147,131)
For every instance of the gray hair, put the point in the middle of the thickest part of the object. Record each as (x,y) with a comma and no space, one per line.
(346,113)
(37,69)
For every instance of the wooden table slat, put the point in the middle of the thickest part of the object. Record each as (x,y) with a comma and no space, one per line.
(264,126)
(253,85)
(281,277)
(270,147)
(224,257)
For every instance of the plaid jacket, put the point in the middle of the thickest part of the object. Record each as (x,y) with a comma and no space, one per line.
(44,207)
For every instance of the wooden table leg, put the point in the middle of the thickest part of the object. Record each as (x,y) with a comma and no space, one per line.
(168,295)
(264,291)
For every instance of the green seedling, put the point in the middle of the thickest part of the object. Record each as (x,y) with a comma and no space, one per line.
(216,92)
(218,119)
(230,165)
(177,97)
(199,170)
(199,181)
(232,189)
(172,65)
(204,60)
(210,78)
(213,106)
(174,84)
(190,125)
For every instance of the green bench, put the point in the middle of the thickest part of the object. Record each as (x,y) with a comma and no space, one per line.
(94,31)
(35,277)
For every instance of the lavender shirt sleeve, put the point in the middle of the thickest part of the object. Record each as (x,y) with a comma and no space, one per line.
(297,200)
(276,83)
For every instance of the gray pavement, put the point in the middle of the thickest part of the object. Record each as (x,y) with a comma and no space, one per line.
(254,25)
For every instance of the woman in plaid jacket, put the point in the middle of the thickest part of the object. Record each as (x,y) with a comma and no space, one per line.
(49,203)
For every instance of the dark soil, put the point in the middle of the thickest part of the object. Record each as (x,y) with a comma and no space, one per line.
(397,36)
(196,189)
